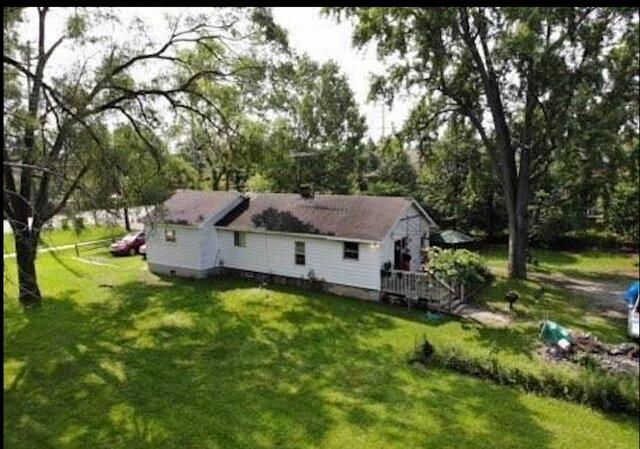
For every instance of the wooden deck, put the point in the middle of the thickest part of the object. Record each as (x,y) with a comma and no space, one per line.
(422,287)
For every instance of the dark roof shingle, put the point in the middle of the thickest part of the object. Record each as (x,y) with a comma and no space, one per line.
(345,216)
(192,207)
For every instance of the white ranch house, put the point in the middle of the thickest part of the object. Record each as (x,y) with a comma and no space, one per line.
(343,240)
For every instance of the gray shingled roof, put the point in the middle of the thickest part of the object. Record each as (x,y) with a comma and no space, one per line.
(345,216)
(192,207)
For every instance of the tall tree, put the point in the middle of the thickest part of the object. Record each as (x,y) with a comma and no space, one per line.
(513,73)
(324,122)
(223,149)
(126,174)
(456,179)
(394,173)
(54,102)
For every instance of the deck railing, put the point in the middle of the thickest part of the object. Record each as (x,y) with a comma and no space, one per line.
(424,286)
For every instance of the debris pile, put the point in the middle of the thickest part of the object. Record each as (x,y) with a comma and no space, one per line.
(585,349)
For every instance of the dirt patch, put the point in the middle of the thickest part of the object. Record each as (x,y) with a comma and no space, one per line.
(485,317)
(605,296)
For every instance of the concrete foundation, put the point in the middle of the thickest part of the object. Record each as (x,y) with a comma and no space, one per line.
(336,289)
(178,271)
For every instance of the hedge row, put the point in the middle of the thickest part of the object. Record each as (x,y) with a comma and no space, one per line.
(592,386)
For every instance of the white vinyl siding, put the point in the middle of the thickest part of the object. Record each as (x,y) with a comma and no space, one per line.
(185,252)
(209,248)
(414,228)
(275,253)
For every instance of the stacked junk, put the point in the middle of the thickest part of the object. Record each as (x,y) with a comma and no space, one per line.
(563,344)
(578,347)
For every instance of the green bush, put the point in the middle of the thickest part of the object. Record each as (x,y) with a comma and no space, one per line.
(458,264)
(423,352)
(259,183)
(593,386)
(64,223)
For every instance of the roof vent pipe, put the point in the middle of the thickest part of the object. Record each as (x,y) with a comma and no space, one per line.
(306,191)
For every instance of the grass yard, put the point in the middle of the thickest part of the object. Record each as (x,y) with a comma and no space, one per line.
(57,237)
(611,271)
(118,357)
(595,264)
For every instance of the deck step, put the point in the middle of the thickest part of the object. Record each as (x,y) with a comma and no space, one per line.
(457,307)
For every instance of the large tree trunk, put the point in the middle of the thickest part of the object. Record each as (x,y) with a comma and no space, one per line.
(215,179)
(518,219)
(127,224)
(26,251)
(515,182)
(517,201)
(517,248)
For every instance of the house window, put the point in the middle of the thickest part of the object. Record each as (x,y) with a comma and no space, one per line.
(239,239)
(351,250)
(170,235)
(300,257)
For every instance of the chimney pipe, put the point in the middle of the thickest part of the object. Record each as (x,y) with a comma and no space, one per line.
(306,191)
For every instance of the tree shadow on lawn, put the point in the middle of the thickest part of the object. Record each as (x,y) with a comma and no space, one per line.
(517,341)
(500,253)
(62,263)
(183,363)
(621,277)
(554,258)
(563,262)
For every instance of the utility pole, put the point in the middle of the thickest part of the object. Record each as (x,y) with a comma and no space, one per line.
(382,111)
(299,157)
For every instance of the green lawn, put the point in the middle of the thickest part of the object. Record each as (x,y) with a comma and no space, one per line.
(566,307)
(57,237)
(117,357)
(595,264)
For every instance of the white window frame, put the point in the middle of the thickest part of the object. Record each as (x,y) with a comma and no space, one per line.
(345,251)
(239,239)
(302,253)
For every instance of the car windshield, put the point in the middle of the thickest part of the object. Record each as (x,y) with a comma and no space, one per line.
(130,237)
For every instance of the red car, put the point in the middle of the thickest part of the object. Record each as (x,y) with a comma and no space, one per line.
(128,245)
